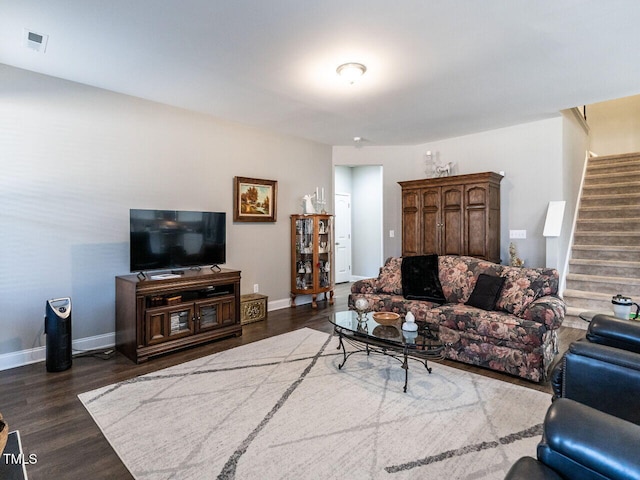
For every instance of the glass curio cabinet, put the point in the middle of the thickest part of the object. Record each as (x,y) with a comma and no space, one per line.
(312,257)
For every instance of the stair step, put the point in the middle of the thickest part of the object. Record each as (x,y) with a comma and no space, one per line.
(608,211)
(606,252)
(577,300)
(609,188)
(627,165)
(614,159)
(591,237)
(610,198)
(607,268)
(572,319)
(612,178)
(608,224)
(603,284)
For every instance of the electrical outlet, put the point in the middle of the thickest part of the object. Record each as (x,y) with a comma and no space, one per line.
(256,288)
(392,234)
(517,234)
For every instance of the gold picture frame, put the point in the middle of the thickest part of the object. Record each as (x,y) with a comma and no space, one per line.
(254,200)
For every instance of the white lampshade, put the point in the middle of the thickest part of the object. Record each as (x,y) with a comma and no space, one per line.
(351,71)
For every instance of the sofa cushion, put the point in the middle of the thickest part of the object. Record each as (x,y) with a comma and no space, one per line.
(500,326)
(523,285)
(420,278)
(486,292)
(458,275)
(390,277)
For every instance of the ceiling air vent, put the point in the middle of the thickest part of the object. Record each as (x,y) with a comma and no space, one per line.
(35,41)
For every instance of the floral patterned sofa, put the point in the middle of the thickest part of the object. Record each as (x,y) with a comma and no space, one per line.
(518,337)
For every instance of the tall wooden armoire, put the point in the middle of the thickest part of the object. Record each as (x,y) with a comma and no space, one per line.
(456,215)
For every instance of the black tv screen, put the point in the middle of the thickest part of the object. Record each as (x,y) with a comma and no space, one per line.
(162,239)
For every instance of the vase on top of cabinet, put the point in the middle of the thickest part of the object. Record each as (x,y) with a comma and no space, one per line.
(312,257)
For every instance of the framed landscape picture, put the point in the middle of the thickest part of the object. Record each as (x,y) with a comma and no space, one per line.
(254,200)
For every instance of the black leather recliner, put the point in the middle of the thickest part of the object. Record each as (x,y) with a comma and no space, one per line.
(602,377)
(613,332)
(580,442)
(603,370)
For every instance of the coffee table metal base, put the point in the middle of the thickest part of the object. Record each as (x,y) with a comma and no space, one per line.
(402,354)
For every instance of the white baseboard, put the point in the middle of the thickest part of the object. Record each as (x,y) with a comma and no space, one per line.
(286,303)
(279,304)
(39,354)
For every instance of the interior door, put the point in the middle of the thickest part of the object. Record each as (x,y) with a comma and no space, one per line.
(342,228)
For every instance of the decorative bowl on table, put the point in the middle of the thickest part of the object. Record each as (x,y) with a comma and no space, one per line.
(386,318)
(387,331)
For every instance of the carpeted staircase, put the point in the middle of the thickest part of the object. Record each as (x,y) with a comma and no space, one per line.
(605,257)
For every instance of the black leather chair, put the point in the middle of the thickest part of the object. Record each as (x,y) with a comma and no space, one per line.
(613,332)
(580,442)
(602,377)
(603,370)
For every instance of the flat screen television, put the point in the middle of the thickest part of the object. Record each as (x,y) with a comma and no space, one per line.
(163,239)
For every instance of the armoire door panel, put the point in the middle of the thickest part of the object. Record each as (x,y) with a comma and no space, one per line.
(452,197)
(452,234)
(476,195)
(430,232)
(476,233)
(452,221)
(410,223)
(431,220)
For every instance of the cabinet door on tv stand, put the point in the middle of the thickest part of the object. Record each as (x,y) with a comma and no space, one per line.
(168,323)
(215,313)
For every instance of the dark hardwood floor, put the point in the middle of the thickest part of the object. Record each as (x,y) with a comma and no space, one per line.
(55,426)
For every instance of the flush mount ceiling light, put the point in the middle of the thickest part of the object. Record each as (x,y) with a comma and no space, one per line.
(351,71)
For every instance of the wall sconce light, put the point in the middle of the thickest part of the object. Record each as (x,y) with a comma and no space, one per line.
(351,71)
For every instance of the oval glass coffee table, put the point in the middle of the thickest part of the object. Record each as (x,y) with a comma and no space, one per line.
(367,335)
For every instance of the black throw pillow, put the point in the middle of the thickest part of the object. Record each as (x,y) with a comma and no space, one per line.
(486,292)
(420,279)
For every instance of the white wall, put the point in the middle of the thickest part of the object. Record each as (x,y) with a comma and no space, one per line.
(343,180)
(615,126)
(531,155)
(75,159)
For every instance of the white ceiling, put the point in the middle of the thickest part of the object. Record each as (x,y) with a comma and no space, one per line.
(436,68)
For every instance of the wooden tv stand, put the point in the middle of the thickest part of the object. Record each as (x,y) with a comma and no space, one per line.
(154,317)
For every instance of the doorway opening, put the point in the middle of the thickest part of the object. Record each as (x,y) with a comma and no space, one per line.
(358,222)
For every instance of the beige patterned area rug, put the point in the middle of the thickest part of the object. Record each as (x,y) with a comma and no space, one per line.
(280,409)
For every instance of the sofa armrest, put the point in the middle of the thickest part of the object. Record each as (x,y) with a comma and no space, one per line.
(581,442)
(604,378)
(548,310)
(366,285)
(611,331)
